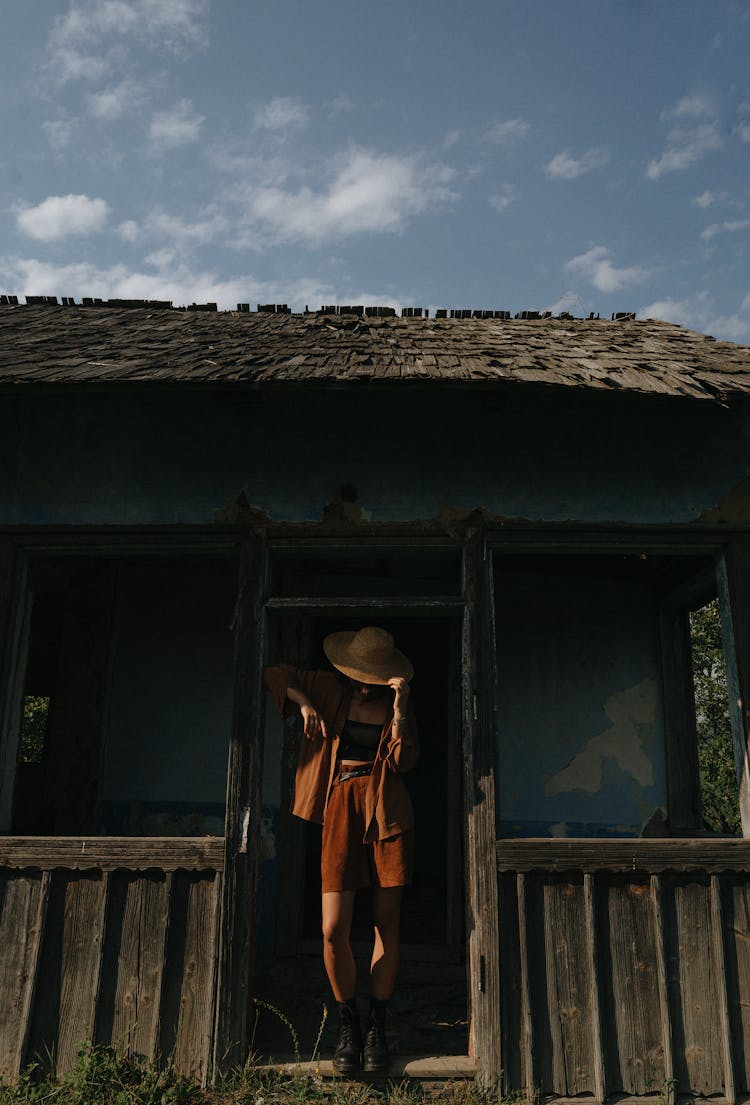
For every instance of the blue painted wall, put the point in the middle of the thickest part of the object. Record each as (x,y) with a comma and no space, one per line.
(580,724)
(529,453)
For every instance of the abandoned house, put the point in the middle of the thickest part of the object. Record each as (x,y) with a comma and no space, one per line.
(533,506)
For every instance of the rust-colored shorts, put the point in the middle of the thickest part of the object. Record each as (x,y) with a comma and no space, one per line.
(346,862)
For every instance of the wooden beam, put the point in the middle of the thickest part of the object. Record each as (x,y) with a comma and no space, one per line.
(683,782)
(733,578)
(708,853)
(243,813)
(110,853)
(479,728)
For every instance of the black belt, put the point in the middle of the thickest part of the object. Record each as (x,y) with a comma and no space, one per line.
(354,773)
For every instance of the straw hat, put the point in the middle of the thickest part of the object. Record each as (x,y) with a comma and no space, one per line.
(368,654)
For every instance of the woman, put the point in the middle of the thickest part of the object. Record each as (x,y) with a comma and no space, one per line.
(360,736)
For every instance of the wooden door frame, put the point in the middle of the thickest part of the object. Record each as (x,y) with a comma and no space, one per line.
(479,661)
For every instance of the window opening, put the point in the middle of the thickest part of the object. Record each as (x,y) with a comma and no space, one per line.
(719,790)
(127,696)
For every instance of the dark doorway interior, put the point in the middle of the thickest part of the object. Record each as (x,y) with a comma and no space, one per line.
(429,1007)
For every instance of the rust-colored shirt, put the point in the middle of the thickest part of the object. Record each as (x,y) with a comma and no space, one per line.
(388,808)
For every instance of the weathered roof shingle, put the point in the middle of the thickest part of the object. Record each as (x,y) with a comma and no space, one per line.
(74,345)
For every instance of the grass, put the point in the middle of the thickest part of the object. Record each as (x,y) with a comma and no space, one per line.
(103,1076)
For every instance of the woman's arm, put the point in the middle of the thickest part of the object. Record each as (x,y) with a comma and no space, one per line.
(402,749)
(292,685)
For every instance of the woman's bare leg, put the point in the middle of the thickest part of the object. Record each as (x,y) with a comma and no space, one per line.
(386,917)
(338,907)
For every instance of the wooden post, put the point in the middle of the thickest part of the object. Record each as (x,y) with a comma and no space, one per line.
(733,580)
(242,830)
(683,784)
(15,609)
(479,751)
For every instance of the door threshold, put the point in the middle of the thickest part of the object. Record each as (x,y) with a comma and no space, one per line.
(422,1068)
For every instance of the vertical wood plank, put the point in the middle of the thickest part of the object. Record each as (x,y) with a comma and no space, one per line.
(717,935)
(596,1019)
(634,1049)
(568,986)
(733,584)
(737,948)
(527,1027)
(683,784)
(479,750)
(693,988)
(22,909)
(134,958)
(36,934)
(83,932)
(64,1007)
(195,1028)
(243,810)
(661,974)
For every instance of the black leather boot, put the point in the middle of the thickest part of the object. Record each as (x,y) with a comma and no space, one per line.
(375,1052)
(348,1050)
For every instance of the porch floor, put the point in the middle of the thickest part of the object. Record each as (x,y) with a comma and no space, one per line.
(427,1026)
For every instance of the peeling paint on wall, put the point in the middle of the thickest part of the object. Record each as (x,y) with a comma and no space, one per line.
(633,714)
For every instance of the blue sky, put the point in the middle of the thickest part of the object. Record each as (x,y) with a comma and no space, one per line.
(583,155)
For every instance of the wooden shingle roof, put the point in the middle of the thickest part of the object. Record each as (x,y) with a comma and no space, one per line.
(138,345)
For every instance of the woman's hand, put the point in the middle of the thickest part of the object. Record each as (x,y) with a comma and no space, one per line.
(400,690)
(315,726)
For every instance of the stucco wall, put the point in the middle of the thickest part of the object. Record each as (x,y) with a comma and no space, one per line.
(580,725)
(531,453)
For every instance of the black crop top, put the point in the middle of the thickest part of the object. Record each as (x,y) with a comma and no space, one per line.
(359,740)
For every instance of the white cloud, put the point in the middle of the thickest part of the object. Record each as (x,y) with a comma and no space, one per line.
(175,126)
(698,105)
(708,198)
(502,199)
(111,102)
(505,132)
(731,226)
(697,312)
(177,282)
(596,266)
(86,43)
(564,166)
(742,130)
(281,113)
(366,192)
(682,311)
(129,231)
(684,147)
(60,216)
(59,132)
(568,301)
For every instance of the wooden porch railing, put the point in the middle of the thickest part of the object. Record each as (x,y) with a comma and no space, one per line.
(109,939)
(625,966)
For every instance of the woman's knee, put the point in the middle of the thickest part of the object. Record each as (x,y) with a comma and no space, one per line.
(335,930)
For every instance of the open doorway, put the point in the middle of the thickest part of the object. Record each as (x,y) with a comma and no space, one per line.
(429,1009)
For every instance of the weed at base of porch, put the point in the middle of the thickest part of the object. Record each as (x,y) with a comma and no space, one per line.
(103,1076)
